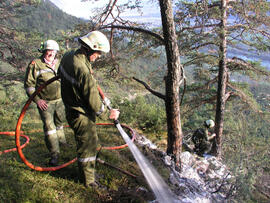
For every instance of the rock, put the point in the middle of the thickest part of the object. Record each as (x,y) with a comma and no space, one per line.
(201,179)
(167,160)
(142,140)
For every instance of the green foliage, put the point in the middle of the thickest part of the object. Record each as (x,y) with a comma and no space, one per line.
(195,120)
(247,139)
(27,24)
(147,116)
(5,67)
(13,98)
(47,19)
(2,94)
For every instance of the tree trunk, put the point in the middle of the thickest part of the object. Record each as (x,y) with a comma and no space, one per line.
(173,81)
(222,79)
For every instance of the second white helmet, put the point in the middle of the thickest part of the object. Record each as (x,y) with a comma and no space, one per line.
(210,123)
(51,45)
(96,41)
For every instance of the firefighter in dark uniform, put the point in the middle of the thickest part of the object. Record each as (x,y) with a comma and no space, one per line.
(202,140)
(82,100)
(49,102)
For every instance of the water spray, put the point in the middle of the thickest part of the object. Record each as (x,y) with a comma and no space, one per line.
(154,180)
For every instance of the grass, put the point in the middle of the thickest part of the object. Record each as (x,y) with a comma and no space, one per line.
(19,183)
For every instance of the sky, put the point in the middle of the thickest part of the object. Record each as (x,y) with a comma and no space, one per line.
(80,9)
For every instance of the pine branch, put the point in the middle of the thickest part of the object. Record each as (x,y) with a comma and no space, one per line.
(162,96)
(243,65)
(137,29)
(206,85)
(242,96)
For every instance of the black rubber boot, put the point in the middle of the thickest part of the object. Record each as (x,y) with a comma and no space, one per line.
(54,160)
(65,145)
(93,185)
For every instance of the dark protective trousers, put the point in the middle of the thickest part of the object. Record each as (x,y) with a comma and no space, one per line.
(204,147)
(86,139)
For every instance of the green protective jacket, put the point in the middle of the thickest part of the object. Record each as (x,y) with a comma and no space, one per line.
(202,141)
(38,73)
(79,87)
(200,135)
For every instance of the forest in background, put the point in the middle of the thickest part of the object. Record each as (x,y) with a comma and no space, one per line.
(246,135)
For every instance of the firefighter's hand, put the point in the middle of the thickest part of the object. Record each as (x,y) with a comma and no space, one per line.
(212,136)
(114,114)
(42,104)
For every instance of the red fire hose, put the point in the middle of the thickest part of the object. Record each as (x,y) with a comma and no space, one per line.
(18,134)
(14,149)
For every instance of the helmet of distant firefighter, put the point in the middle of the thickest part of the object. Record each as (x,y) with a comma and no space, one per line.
(209,123)
(49,45)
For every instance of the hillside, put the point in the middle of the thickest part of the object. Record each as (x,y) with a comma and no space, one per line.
(24,25)
(45,18)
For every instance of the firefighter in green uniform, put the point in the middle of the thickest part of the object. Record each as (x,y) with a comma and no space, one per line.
(82,100)
(49,102)
(202,140)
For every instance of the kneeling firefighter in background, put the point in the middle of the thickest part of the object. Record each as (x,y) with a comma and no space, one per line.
(202,140)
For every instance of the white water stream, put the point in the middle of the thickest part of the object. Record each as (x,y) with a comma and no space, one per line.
(155,181)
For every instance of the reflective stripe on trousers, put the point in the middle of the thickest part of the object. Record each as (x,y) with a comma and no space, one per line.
(88,159)
(50,132)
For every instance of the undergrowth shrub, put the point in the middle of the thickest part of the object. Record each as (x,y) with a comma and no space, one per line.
(246,152)
(13,97)
(149,117)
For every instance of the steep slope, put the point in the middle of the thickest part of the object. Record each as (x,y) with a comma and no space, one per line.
(45,18)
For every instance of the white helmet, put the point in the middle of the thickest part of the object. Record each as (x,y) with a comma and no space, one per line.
(96,41)
(51,45)
(209,123)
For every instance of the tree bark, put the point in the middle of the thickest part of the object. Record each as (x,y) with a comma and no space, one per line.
(173,81)
(222,79)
